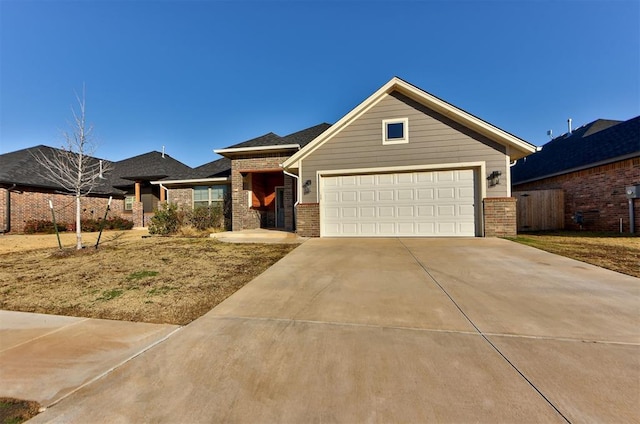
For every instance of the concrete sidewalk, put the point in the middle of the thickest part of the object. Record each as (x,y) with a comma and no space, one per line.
(47,357)
(393,330)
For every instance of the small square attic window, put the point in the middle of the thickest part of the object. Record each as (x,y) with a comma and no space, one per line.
(395,131)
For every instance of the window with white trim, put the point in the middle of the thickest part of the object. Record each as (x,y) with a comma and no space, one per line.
(395,131)
(128,203)
(209,196)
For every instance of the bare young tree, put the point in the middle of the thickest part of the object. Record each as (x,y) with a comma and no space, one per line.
(73,167)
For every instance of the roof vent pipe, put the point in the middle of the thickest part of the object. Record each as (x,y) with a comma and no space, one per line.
(162,152)
(100,172)
(569,125)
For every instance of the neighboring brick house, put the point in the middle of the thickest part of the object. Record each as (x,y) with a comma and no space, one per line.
(25,191)
(593,165)
(134,175)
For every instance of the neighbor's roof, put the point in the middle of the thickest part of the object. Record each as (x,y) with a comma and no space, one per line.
(518,147)
(149,166)
(274,142)
(597,143)
(22,168)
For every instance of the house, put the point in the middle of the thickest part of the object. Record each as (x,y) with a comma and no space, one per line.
(134,175)
(401,163)
(592,166)
(25,191)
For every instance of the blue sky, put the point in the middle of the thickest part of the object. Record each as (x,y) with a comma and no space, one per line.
(198,75)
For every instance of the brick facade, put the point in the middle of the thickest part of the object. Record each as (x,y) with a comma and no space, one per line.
(183,197)
(308,219)
(598,193)
(27,205)
(500,217)
(244,215)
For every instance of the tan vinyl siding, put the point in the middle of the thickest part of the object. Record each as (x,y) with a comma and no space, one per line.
(433,139)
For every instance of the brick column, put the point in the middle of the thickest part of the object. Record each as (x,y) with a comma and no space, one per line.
(138,214)
(308,219)
(500,217)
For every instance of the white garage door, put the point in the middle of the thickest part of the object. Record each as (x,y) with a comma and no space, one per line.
(436,203)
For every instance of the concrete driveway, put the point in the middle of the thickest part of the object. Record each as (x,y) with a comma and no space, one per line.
(393,330)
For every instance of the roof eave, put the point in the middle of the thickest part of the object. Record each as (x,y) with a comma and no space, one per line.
(580,168)
(192,181)
(257,149)
(519,147)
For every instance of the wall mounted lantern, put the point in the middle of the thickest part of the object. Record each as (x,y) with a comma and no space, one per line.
(306,187)
(494,178)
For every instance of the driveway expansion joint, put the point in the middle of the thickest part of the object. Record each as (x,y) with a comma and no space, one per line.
(344,324)
(113,368)
(47,334)
(521,373)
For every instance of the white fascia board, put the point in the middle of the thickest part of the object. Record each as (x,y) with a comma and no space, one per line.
(258,148)
(466,119)
(368,103)
(193,181)
(521,147)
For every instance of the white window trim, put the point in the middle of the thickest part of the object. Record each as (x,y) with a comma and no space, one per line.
(405,124)
(132,202)
(210,201)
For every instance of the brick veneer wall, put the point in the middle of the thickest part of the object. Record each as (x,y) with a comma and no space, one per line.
(500,217)
(137,214)
(3,210)
(598,192)
(27,205)
(183,197)
(243,216)
(308,219)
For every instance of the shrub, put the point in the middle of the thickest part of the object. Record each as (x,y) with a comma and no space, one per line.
(206,217)
(118,223)
(166,220)
(43,226)
(90,225)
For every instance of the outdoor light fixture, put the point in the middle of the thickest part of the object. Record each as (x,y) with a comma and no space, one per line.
(307,187)
(494,178)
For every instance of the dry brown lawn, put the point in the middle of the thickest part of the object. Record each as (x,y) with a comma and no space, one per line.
(614,252)
(154,279)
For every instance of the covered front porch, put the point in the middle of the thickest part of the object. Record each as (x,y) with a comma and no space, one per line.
(265,200)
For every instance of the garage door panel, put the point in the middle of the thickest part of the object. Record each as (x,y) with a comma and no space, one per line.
(405,194)
(385,179)
(386,212)
(427,203)
(405,212)
(446,193)
(426,211)
(385,195)
(367,196)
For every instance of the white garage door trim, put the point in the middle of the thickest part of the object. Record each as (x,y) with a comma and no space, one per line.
(411,201)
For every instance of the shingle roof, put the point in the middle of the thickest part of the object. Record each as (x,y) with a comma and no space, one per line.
(217,168)
(22,168)
(150,166)
(301,138)
(305,136)
(600,141)
(269,139)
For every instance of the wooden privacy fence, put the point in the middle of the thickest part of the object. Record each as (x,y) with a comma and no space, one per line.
(539,210)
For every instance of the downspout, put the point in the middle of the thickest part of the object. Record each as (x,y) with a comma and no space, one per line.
(297,195)
(166,192)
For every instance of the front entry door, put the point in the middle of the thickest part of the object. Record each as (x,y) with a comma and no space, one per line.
(280,207)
